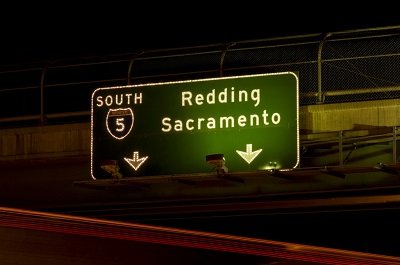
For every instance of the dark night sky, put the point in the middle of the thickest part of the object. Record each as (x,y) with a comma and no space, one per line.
(65,31)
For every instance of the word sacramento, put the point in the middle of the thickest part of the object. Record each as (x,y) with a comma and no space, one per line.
(223,122)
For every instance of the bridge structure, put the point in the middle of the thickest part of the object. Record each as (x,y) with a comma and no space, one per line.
(348,130)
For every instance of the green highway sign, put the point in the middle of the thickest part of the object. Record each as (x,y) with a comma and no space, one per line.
(171,128)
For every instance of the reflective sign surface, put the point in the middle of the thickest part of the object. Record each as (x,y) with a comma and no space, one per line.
(170,128)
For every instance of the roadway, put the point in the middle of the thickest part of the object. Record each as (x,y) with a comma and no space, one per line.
(31,237)
(363,219)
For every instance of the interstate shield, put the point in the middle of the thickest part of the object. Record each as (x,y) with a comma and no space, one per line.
(120,122)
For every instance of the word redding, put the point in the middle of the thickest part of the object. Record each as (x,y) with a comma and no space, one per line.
(189,99)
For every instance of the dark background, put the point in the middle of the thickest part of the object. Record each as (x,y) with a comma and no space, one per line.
(67,30)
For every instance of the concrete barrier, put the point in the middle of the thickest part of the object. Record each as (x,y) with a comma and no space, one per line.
(45,141)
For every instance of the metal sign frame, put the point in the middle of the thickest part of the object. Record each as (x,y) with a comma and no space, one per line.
(170,128)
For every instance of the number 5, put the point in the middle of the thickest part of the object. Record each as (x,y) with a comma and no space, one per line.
(120,124)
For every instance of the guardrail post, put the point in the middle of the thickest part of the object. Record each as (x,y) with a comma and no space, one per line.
(320,46)
(394,144)
(42,78)
(341,148)
(221,62)
(131,66)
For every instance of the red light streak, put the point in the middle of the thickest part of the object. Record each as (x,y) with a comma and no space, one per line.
(66,224)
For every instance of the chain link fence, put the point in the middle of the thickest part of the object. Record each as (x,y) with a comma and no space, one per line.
(336,67)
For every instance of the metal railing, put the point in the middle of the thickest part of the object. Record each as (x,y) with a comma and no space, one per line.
(345,66)
(351,147)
